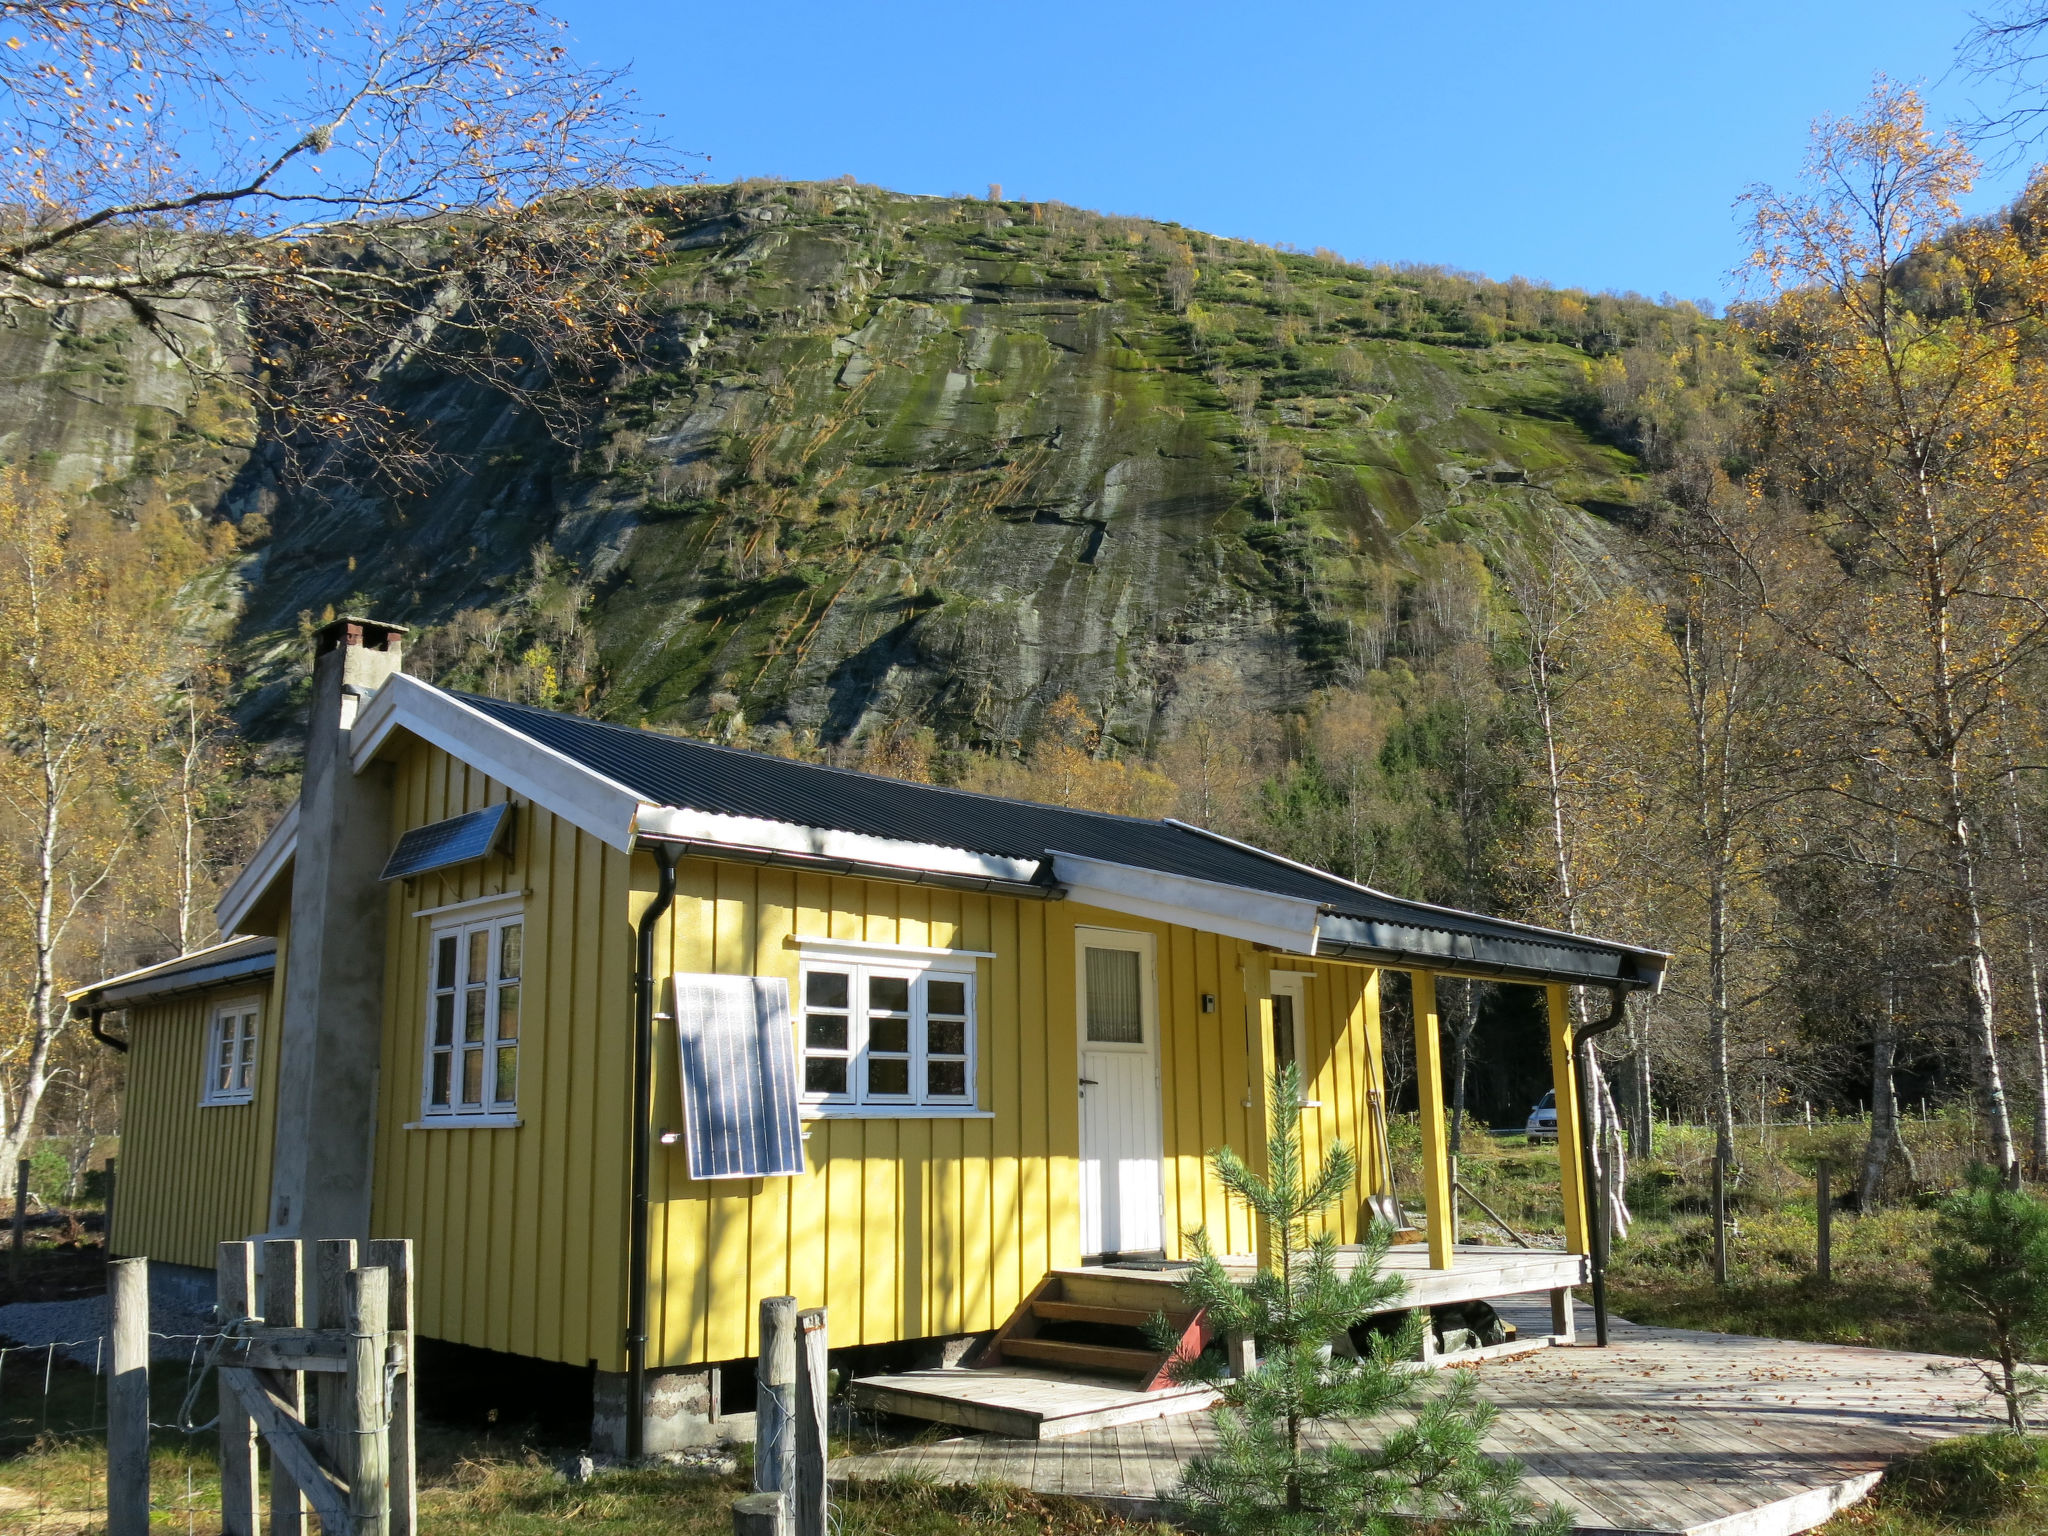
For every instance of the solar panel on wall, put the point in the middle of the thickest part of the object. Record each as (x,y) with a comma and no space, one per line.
(738,1057)
(439,844)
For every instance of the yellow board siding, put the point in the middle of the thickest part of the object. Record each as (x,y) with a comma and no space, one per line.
(193,1175)
(520,1232)
(911,1227)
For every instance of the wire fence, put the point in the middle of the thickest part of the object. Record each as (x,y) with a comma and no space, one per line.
(53,1422)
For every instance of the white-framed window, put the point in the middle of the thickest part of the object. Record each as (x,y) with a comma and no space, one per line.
(231,1052)
(887,1032)
(1290,1012)
(473,1017)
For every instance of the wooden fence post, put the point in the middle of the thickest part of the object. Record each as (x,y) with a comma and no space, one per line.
(128,1400)
(807,1514)
(333,1258)
(394,1254)
(757,1514)
(1824,1217)
(1720,1219)
(284,1306)
(774,1401)
(234,1300)
(367,1465)
(20,1218)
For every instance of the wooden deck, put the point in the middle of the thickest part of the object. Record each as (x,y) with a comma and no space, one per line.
(1666,1431)
(1478,1272)
(1022,1403)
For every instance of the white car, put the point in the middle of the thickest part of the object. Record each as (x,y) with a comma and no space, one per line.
(1543,1119)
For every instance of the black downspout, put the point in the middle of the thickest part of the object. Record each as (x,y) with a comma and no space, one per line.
(93,1022)
(665,859)
(1596,1193)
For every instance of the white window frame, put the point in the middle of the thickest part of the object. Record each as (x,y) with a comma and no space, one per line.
(860,963)
(247,1045)
(491,918)
(1292,985)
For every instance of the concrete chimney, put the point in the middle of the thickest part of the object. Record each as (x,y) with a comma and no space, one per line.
(334,979)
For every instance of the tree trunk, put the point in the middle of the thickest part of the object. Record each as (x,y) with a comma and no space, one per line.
(1991,1099)
(1884,1102)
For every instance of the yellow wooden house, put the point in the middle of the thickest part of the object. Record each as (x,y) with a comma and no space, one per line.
(627,1032)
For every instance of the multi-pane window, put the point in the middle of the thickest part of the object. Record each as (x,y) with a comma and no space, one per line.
(887,1034)
(473,1018)
(231,1053)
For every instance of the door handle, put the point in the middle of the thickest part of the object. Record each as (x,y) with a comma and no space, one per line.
(1089,1082)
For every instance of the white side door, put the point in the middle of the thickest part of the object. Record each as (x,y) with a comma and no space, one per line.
(1122,1146)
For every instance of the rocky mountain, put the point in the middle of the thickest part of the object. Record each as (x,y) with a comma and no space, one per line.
(891,457)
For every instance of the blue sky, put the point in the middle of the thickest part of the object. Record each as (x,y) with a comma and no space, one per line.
(1590,144)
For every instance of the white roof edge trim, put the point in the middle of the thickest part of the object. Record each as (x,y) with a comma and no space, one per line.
(142,971)
(600,806)
(825,843)
(1236,911)
(1422,906)
(257,876)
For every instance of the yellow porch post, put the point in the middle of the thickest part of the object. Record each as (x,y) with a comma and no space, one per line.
(1429,1085)
(1260,1060)
(1564,1079)
(1372,1177)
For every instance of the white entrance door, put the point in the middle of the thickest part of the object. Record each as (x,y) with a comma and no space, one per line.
(1122,1149)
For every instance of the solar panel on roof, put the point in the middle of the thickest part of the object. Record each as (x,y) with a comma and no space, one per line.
(738,1055)
(439,844)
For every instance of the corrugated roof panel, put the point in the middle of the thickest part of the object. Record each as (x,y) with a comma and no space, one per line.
(701,776)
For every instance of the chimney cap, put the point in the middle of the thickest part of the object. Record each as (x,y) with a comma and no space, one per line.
(372,634)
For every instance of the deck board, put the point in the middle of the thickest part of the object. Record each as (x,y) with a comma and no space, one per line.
(1668,1431)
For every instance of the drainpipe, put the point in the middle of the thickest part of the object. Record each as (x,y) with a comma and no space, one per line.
(646,990)
(93,1016)
(1596,1194)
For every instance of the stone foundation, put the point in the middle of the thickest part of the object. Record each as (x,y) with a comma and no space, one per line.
(680,1413)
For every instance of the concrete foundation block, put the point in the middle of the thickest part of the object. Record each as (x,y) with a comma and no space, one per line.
(679,1412)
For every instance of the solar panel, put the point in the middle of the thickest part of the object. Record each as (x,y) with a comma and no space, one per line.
(439,844)
(738,1055)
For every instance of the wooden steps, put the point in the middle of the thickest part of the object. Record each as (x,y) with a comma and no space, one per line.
(1076,1355)
(1100,1323)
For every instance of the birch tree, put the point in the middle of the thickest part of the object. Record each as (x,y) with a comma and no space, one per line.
(81,659)
(1907,425)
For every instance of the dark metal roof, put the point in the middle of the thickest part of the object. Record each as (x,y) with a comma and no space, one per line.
(701,776)
(202,969)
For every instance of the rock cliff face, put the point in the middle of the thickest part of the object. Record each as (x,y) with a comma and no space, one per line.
(902,458)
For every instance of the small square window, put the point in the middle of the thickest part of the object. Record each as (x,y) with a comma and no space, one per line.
(231,1053)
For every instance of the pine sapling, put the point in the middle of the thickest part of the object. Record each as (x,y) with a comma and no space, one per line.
(1272,1471)
(1991,1257)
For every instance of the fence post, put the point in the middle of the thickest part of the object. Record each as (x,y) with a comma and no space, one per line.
(1720,1218)
(774,1402)
(234,1299)
(1824,1217)
(284,1306)
(368,1462)
(757,1514)
(333,1259)
(128,1400)
(20,1218)
(808,1511)
(394,1254)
